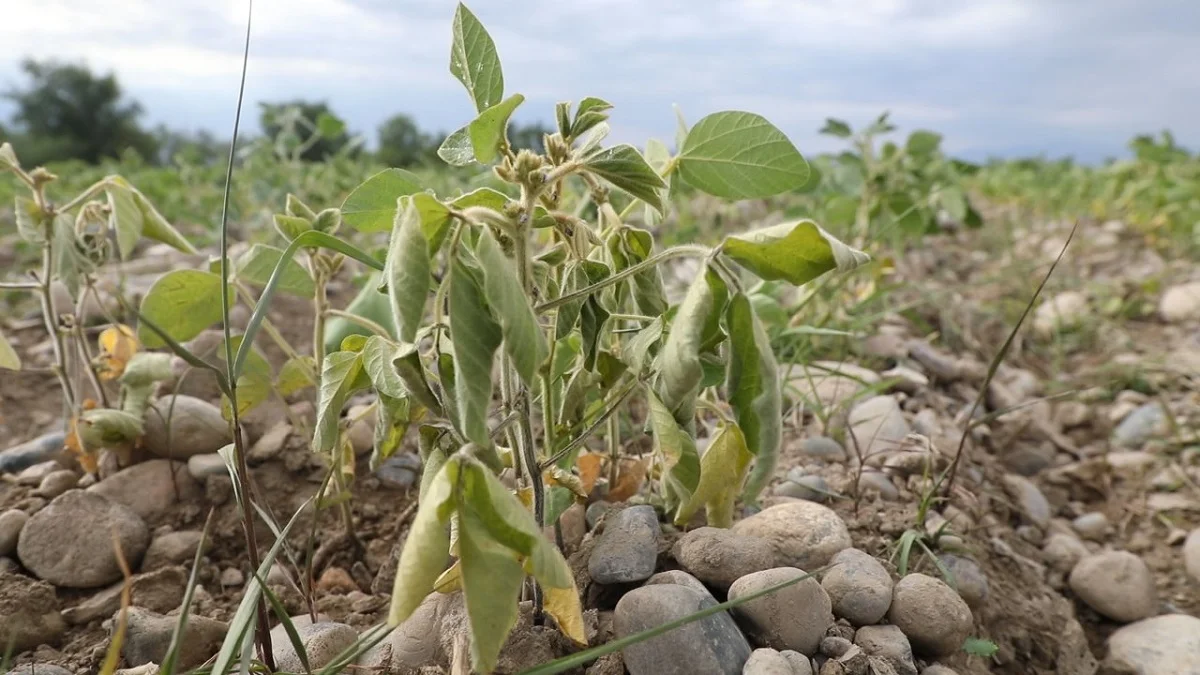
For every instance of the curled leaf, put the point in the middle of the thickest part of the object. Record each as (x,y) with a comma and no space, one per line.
(118,344)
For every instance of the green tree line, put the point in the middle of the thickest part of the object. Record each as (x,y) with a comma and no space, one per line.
(65,111)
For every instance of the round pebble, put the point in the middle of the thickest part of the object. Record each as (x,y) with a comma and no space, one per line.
(934,617)
(719,557)
(11,522)
(1117,584)
(823,448)
(969,580)
(794,617)
(859,587)
(766,661)
(1062,551)
(1191,555)
(1093,526)
(70,541)
(804,534)
(1162,645)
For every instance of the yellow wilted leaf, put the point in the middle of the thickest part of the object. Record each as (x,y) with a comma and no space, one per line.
(525,494)
(87,459)
(559,476)
(451,579)
(563,604)
(589,470)
(118,343)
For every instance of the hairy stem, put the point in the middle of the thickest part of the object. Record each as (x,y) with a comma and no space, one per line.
(689,250)
(49,312)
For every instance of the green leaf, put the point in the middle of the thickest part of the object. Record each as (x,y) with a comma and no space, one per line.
(954,200)
(8,356)
(648,294)
(182,303)
(290,227)
(156,227)
(754,391)
(295,207)
(488,131)
(562,115)
(371,207)
(922,143)
(795,252)
(658,157)
(638,351)
(679,381)
(29,220)
(722,469)
(473,60)
(591,111)
(125,218)
(676,450)
(681,127)
(251,392)
(491,581)
(836,127)
(369,303)
(523,338)
(475,336)
(296,374)
(259,261)
(624,167)
(70,262)
(392,419)
(330,126)
(457,150)
(427,548)
(408,271)
(435,219)
(740,155)
(908,213)
(342,374)
(377,356)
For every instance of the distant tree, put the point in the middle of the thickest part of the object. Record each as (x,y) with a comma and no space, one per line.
(402,143)
(67,112)
(295,122)
(527,137)
(199,148)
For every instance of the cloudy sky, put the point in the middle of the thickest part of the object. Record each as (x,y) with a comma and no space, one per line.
(997,77)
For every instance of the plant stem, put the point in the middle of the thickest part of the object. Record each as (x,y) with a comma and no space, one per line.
(19,286)
(85,351)
(320,307)
(684,251)
(360,320)
(50,314)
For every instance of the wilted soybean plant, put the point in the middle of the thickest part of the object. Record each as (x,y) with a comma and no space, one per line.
(575,314)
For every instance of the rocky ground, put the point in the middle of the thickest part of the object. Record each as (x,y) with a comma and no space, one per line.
(1071,538)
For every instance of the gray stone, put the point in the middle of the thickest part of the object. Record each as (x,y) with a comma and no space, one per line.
(906,379)
(828,385)
(1145,422)
(322,641)
(766,661)
(939,364)
(1180,303)
(823,448)
(801,664)
(939,669)
(710,645)
(834,646)
(810,488)
(173,548)
(20,457)
(888,643)
(28,613)
(1191,555)
(414,643)
(202,466)
(1062,551)
(39,669)
(859,587)
(148,488)
(934,617)
(232,577)
(627,550)
(159,591)
(794,617)
(69,542)
(872,481)
(399,472)
(967,578)
(1060,312)
(148,638)
(1092,526)
(56,482)
(35,474)
(1029,499)
(595,511)
(804,534)
(1117,584)
(196,427)
(1162,645)
(877,425)
(11,522)
(720,557)
(680,578)
(270,444)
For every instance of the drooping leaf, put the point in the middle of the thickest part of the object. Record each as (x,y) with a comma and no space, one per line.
(922,143)
(523,338)
(638,351)
(182,303)
(342,374)
(488,131)
(624,167)
(156,227)
(251,392)
(8,356)
(681,369)
(124,218)
(754,387)
(794,252)
(29,220)
(377,356)
(408,271)
(427,548)
(473,60)
(435,219)
(677,452)
(117,344)
(908,213)
(648,294)
(491,579)
(392,419)
(722,470)
(563,604)
(475,336)
(457,150)
(740,155)
(257,263)
(371,207)
(954,200)
(295,375)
